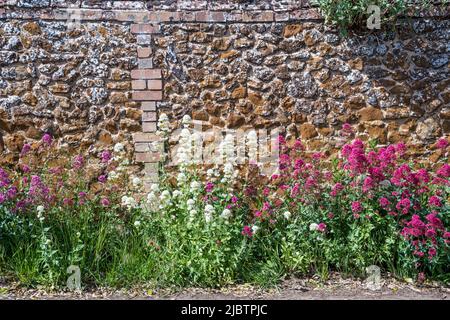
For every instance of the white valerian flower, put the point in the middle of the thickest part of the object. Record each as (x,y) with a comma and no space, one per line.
(226,214)
(190,204)
(181,178)
(227,149)
(136,182)
(163,125)
(209,211)
(40,211)
(112,175)
(129,202)
(137,223)
(195,186)
(177,193)
(152,198)
(165,196)
(228,172)
(119,147)
(313,227)
(255,228)
(186,121)
(154,187)
(287,215)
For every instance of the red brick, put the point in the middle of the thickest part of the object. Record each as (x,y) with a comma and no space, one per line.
(145,137)
(144,52)
(138,84)
(146,74)
(148,106)
(147,95)
(144,28)
(147,156)
(154,84)
(149,126)
(149,116)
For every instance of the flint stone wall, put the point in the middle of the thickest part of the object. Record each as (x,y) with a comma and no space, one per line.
(228,64)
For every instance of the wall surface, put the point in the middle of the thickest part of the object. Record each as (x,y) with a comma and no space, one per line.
(94,73)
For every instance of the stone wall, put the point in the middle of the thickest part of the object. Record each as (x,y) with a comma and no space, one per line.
(308,78)
(97,72)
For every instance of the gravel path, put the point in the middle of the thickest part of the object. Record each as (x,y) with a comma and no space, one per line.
(294,289)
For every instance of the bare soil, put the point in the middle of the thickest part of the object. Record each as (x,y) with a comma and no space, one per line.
(335,288)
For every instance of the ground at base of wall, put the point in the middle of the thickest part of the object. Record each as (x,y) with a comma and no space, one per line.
(336,288)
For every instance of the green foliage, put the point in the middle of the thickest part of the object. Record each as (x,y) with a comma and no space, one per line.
(346,14)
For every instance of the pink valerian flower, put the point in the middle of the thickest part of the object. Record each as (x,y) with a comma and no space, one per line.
(432,252)
(105,202)
(47,139)
(4,178)
(384,202)
(266,192)
(322,227)
(356,159)
(338,187)
(368,184)
(3,198)
(421,277)
(78,162)
(247,231)
(106,156)
(298,145)
(403,205)
(102,178)
(423,176)
(299,163)
(234,199)
(209,187)
(347,129)
(400,148)
(25,168)
(82,197)
(435,201)
(284,161)
(330,215)
(68,202)
(12,192)
(442,143)
(356,207)
(25,149)
(444,171)
(258,214)
(434,221)
(295,190)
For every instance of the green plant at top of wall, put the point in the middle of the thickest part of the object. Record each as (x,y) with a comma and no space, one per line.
(348,14)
